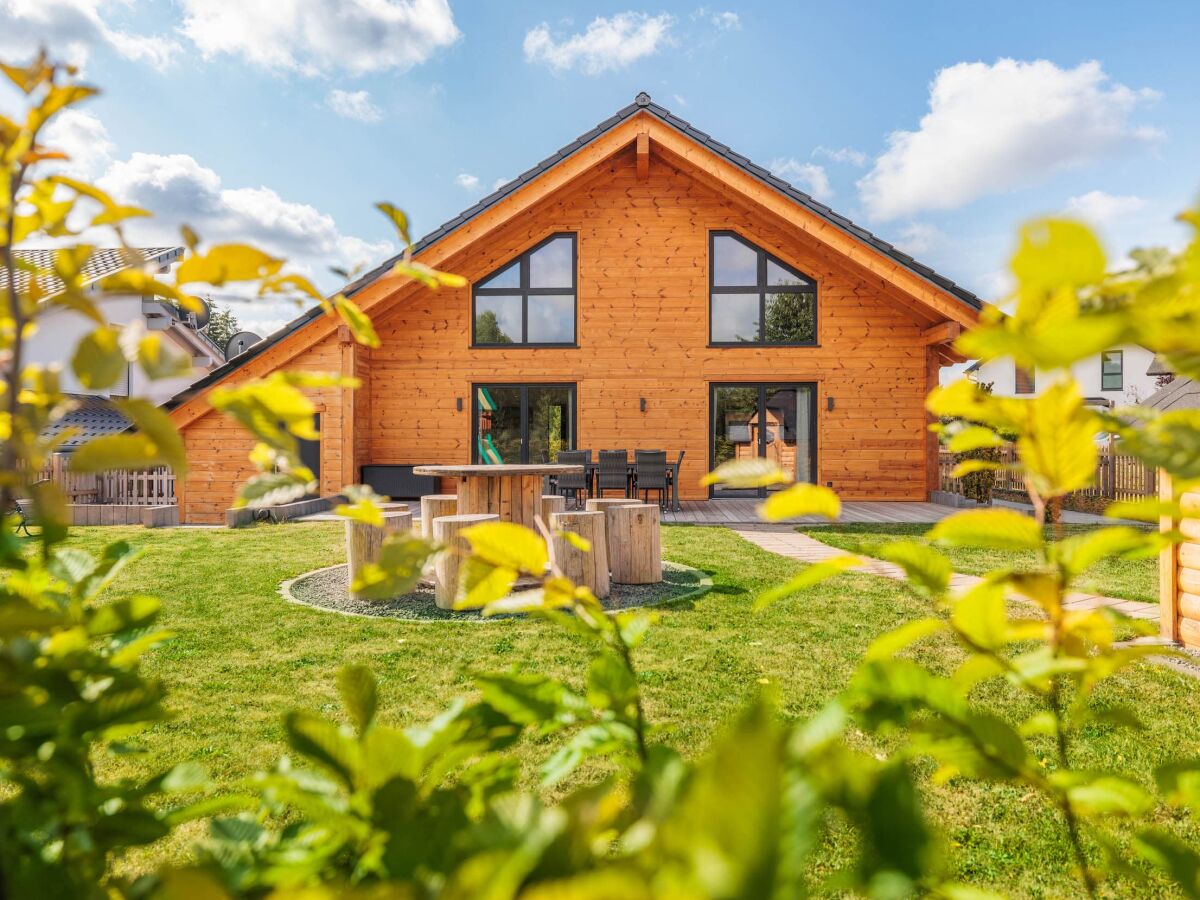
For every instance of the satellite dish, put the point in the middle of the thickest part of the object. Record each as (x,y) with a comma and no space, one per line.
(240,343)
(203,315)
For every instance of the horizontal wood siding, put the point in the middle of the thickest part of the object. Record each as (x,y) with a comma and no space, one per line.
(217,448)
(643,332)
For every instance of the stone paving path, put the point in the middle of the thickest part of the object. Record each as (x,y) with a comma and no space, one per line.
(786,541)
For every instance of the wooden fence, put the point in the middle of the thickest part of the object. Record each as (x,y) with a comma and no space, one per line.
(147,487)
(1118,476)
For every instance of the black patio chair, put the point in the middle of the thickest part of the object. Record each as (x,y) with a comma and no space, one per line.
(573,483)
(613,473)
(650,474)
(671,476)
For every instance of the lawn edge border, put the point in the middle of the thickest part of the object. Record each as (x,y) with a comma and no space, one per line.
(703,586)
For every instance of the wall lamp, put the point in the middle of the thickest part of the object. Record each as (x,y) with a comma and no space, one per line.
(829,403)
(458,403)
(642,404)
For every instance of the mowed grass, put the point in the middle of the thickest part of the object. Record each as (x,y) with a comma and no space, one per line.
(1129,579)
(241,656)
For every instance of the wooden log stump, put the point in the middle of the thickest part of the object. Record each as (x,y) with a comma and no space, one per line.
(448,530)
(604,504)
(634,543)
(364,541)
(434,506)
(590,569)
(552,503)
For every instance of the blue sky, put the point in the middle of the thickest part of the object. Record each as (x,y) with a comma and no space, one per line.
(940,126)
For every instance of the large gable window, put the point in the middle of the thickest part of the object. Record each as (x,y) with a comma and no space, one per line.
(531,300)
(757,299)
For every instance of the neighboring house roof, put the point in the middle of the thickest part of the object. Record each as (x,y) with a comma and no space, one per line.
(1182,393)
(103,261)
(642,104)
(1158,366)
(93,417)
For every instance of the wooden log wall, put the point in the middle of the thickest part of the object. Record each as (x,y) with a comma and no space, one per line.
(642,333)
(1179,572)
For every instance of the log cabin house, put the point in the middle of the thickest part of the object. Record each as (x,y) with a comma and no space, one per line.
(643,287)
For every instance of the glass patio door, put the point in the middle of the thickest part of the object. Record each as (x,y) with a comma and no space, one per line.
(763,420)
(522,423)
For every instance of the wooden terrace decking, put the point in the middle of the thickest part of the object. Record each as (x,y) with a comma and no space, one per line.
(741,512)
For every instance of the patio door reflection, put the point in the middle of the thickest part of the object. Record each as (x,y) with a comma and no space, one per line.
(522,423)
(763,420)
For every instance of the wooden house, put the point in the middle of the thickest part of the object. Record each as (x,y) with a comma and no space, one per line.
(643,287)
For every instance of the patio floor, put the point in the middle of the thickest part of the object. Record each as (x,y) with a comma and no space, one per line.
(741,512)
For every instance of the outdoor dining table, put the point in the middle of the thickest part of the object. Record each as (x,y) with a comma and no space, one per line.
(511,491)
(593,469)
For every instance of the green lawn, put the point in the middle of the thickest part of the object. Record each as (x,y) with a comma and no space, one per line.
(1129,579)
(242,655)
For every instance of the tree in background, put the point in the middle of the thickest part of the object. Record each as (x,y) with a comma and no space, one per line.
(222,325)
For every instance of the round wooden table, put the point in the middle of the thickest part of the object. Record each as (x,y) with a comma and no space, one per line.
(513,492)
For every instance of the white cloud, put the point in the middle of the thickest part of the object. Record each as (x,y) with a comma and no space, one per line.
(994,128)
(314,36)
(83,138)
(808,176)
(466,181)
(179,190)
(607,44)
(1101,208)
(499,183)
(729,21)
(846,155)
(354,105)
(918,238)
(72,29)
(679,99)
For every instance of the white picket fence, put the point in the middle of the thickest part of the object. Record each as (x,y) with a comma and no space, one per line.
(146,487)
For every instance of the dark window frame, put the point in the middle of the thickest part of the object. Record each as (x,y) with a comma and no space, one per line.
(813,412)
(523,386)
(1120,376)
(524,291)
(761,288)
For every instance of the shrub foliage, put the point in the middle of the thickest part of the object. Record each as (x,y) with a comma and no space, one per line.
(441,810)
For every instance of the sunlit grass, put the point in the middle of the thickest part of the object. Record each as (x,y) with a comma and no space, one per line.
(242,655)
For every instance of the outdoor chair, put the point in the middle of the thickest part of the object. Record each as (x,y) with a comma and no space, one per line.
(650,474)
(572,483)
(613,473)
(23,509)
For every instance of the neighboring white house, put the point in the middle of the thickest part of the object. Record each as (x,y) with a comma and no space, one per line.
(60,328)
(1119,376)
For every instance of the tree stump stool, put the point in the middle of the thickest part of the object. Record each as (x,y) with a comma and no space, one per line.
(552,503)
(447,530)
(634,543)
(604,504)
(589,569)
(434,506)
(364,541)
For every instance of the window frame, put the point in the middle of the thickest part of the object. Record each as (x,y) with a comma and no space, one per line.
(1120,355)
(524,291)
(762,289)
(522,386)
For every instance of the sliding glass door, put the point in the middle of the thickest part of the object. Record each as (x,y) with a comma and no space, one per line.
(522,423)
(771,421)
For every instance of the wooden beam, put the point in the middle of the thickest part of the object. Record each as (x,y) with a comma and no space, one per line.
(643,156)
(349,349)
(933,371)
(941,334)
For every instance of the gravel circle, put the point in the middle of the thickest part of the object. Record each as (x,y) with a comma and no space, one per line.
(328,589)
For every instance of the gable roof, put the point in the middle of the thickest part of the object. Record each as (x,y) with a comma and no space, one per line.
(1180,393)
(103,261)
(93,417)
(642,104)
